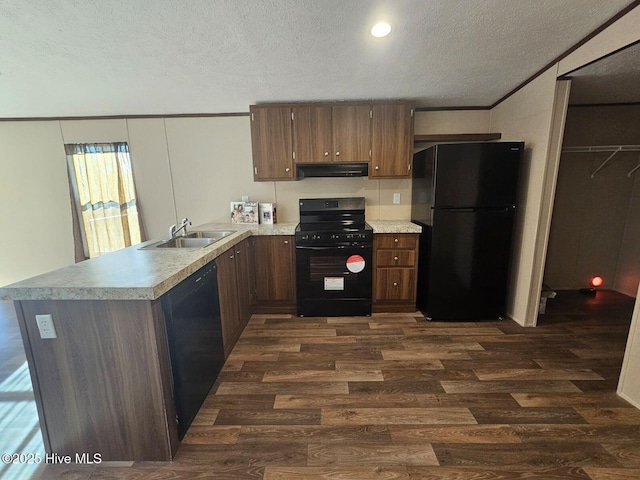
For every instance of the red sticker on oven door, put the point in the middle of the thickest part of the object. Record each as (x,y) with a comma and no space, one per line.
(355,263)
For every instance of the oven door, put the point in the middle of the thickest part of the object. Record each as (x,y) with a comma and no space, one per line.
(334,279)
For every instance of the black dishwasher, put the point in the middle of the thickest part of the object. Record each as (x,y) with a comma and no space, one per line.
(194,333)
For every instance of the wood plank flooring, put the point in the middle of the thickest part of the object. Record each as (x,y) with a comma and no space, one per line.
(397,397)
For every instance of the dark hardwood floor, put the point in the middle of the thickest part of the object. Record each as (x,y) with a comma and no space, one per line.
(397,397)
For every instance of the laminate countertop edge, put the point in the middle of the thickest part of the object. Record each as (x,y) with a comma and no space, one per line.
(134,274)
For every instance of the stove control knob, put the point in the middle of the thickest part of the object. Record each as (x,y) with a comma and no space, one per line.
(305,237)
(350,236)
(316,237)
(335,236)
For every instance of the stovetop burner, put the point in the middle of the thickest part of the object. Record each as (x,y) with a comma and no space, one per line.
(332,220)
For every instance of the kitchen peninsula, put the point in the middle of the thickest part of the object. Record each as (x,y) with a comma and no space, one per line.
(104,384)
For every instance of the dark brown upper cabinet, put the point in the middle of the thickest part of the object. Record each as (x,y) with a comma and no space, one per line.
(352,133)
(391,140)
(312,134)
(325,134)
(380,134)
(271,143)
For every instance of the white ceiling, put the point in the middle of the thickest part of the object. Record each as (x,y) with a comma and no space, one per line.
(127,57)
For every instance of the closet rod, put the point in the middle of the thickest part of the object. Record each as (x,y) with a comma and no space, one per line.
(605,148)
(602,148)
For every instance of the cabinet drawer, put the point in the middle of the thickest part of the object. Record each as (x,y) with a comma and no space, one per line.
(395,284)
(396,258)
(404,240)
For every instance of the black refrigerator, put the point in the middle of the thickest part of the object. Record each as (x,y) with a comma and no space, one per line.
(464,197)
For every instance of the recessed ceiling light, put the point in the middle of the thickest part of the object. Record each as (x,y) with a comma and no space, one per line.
(381,29)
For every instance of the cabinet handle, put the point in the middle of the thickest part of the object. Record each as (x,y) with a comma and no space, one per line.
(237,252)
(377,167)
(287,169)
(326,154)
(395,258)
(337,154)
(395,284)
(395,240)
(286,242)
(231,257)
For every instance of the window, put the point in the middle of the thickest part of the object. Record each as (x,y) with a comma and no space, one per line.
(102,185)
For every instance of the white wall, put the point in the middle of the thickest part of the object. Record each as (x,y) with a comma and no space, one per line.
(152,175)
(211,166)
(35,206)
(527,116)
(189,167)
(452,121)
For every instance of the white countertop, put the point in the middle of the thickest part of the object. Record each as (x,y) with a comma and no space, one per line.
(134,274)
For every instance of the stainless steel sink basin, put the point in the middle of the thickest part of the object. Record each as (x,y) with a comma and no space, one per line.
(185,242)
(216,235)
(191,240)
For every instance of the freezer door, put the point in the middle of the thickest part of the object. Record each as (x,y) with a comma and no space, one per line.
(477,174)
(468,265)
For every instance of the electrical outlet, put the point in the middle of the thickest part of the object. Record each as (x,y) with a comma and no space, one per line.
(245,198)
(396,198)
(45,326)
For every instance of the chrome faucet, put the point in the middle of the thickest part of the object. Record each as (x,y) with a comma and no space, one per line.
(174,229)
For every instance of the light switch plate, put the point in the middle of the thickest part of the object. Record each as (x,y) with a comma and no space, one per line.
(45,326)
(396,198)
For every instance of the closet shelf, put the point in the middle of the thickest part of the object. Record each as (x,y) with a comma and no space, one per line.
(605,148)
(602,148)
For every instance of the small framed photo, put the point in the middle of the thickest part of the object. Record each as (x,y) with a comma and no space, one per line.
(268,213)
(244,212)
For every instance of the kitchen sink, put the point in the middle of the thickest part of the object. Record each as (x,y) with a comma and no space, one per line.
(191,240)
(215,235)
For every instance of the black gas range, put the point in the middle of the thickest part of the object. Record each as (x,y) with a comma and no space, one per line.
(334,249)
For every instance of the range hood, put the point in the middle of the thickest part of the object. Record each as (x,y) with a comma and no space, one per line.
(305,170)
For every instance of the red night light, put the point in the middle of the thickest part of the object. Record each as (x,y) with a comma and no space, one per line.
(596,281)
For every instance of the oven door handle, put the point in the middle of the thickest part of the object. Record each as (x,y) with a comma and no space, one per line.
(332,247)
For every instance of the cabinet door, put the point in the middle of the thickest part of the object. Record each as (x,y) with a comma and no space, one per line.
(395,284)
(312,134)
(352,133)
(227,290)
(274,268)
(243,274)
(391,140)
(271,143)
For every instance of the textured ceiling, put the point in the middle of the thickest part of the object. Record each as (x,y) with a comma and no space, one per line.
(108,57)
(613,79)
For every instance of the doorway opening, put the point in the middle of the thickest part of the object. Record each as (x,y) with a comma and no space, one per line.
(595,227)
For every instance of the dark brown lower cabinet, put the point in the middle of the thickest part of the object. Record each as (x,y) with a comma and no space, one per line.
(395,272)
(275,286)
(104,384)
(234,289)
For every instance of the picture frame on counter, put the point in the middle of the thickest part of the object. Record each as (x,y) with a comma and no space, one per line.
(244,212)
(267,213)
